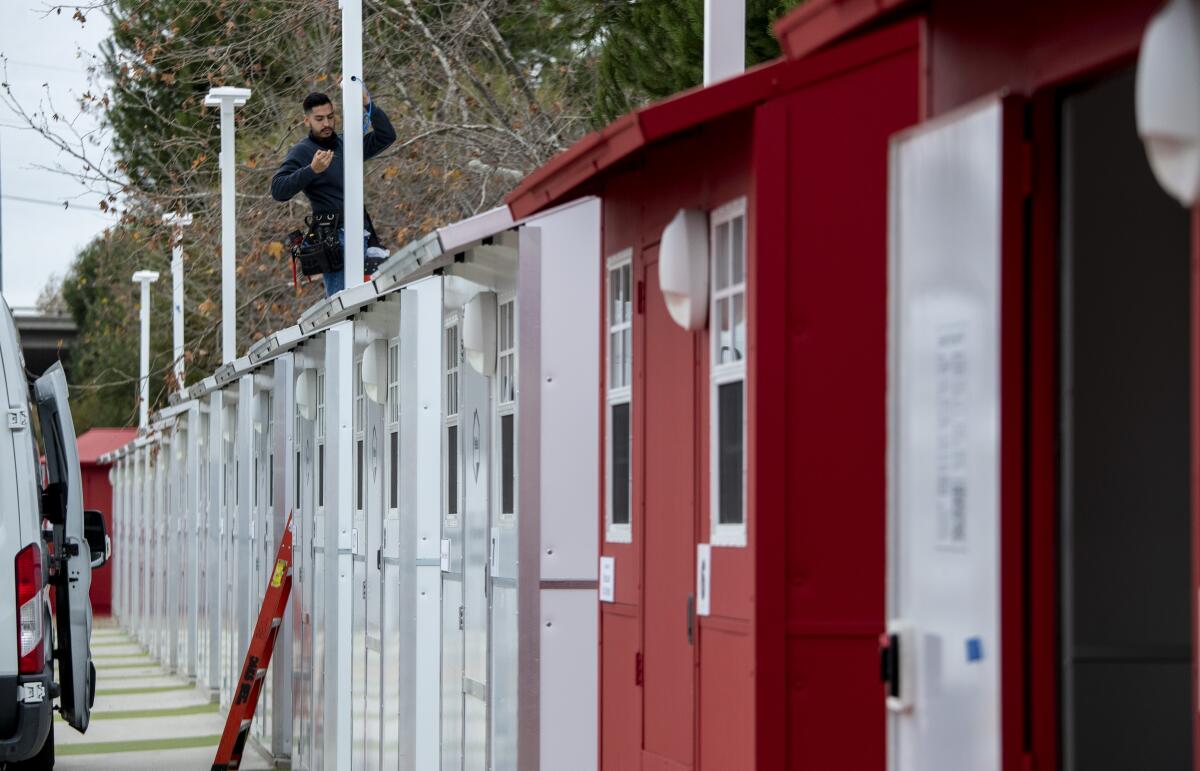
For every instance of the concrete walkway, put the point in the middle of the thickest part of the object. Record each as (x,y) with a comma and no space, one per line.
(143,717)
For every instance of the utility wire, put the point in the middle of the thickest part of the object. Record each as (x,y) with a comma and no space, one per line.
(61,204)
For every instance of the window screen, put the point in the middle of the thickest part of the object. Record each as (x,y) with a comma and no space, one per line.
(394,469)
(320,475)
(358,473)
(507,476)
(619,426)
(452,470)
(729,453)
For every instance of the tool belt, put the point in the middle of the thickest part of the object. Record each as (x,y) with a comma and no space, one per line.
(317,249)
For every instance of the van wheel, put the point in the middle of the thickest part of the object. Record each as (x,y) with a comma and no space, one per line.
(43,761)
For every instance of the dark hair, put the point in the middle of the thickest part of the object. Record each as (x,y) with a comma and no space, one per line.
(314,100)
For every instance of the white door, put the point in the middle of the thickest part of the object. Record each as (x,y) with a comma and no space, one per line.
(944,464)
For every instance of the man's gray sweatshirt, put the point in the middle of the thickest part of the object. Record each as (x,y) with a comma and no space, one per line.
(325,190)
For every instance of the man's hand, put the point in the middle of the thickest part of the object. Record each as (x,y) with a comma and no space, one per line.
(366,96)
(321,160)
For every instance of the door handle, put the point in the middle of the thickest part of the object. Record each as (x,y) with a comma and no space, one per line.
(691,619)
(889,664)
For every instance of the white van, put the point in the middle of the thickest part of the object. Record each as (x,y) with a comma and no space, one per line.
(52,544)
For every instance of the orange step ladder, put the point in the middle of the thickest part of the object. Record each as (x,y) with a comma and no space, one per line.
(254,671)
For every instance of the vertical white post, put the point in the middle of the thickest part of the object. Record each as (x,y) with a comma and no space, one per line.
(228,99)
(228,237)
(339,544)
(724,39)
(352,113)
(179,221)
(145,278)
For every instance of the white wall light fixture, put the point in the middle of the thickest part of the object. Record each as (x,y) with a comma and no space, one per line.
(683,268)
(374,371)
(229,422)
(479,333)
(1167,100)
(260,413)
(306,393)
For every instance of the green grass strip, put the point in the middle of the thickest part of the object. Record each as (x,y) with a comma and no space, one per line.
(152,689)
(136,745)
(120,678)
(132,714)
(121,656)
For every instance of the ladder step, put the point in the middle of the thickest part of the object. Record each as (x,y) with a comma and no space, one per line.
(276,621)
(244,726)
(260,674)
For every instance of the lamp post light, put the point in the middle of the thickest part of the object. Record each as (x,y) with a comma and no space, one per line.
(228,99)
(145,278)
(179,221)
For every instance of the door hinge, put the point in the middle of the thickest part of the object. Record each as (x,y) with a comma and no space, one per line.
(462,617)
(641,297)
(364,590)
(639,674)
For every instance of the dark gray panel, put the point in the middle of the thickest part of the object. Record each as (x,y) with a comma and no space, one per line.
(1126,619)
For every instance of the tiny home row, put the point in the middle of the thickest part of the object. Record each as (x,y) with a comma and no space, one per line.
(882,351)
(387,424)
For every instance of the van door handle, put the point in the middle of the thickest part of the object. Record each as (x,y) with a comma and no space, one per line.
(691,619)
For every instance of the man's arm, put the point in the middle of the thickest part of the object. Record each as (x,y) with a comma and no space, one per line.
(293,176)
(375,142)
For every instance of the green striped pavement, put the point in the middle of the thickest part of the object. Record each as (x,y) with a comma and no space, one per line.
(136,745)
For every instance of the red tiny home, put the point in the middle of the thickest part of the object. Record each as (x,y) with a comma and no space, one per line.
(789,164)
(97,494)
(1080,560)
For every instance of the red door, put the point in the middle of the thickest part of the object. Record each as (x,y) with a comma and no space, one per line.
(668,510)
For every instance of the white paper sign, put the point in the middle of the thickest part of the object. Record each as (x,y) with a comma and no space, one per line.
(445,555)
(703,578)
(608,578)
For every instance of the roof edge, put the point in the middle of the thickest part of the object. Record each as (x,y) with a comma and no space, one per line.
(817,23)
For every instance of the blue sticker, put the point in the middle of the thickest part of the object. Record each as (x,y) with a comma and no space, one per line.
(974,649)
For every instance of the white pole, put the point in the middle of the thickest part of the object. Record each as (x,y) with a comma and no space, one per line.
(724,39)
(228,99)
(145,278)
(352,113)
(179,221)
(228,237)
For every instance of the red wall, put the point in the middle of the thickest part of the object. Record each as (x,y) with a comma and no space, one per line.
(786,666)
(97,494)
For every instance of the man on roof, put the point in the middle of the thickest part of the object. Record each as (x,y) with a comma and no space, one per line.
(314,166)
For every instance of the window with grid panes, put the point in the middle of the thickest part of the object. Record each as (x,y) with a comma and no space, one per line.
(320,438)
(618,423)
(393,424)
(507,355)
(360,421)
(452,355)
(727,399)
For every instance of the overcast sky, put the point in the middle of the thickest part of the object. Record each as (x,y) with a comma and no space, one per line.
(40,239)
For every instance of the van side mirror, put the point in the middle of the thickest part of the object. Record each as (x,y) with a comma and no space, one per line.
(97,537)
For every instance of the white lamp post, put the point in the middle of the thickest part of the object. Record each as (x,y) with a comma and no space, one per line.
(179,221)
(145,278)
(352,115)
(227,98)
(724,39)
(1167,100)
